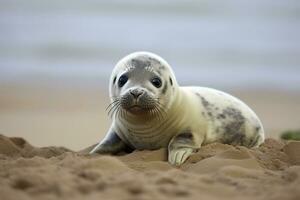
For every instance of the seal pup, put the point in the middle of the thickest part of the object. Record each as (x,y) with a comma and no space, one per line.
(150,111)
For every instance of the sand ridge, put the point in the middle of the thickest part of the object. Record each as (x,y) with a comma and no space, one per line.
(217,171)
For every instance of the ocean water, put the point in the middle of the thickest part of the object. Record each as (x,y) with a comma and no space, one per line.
(222,44)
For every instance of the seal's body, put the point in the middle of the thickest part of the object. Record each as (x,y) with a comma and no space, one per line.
(150,111)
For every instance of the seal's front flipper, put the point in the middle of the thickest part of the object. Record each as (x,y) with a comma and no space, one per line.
(111,144)
(181,147)
(179,156)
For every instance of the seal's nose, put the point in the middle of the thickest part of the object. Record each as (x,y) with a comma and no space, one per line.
(136,93)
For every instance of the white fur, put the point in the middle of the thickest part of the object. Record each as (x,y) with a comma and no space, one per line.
(185,112)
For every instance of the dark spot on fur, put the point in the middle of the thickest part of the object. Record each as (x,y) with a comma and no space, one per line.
(162,67)
(252,141)
(234,127)
(205,103)
(171,81)
(257,129)
(221,116)
(233,112)
(159,72)
(114,81)
(255,140)
(164,90)
(140,63)
(156,62)
(208,107)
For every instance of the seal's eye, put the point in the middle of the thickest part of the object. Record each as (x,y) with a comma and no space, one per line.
(122,80)
(156,82)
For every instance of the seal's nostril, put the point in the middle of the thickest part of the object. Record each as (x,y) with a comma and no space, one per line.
(136,93)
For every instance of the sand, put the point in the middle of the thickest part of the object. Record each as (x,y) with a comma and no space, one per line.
(217,171)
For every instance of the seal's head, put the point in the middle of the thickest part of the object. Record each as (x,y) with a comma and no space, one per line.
(142,84)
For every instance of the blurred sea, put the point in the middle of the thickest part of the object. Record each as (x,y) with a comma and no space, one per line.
(215,43)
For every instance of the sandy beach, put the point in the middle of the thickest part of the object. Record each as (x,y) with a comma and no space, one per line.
(56,58)
(217,171)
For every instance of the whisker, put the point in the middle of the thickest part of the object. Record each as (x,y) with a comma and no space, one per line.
(157,113)
(111,109)
(122,113)
(114,109)
(111,104)
(117,112)
(152,113)
(161,109)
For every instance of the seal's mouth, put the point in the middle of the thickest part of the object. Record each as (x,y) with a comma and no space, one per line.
(135,106)
(136,109)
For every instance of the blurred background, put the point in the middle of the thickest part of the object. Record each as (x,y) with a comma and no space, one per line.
(56,58)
